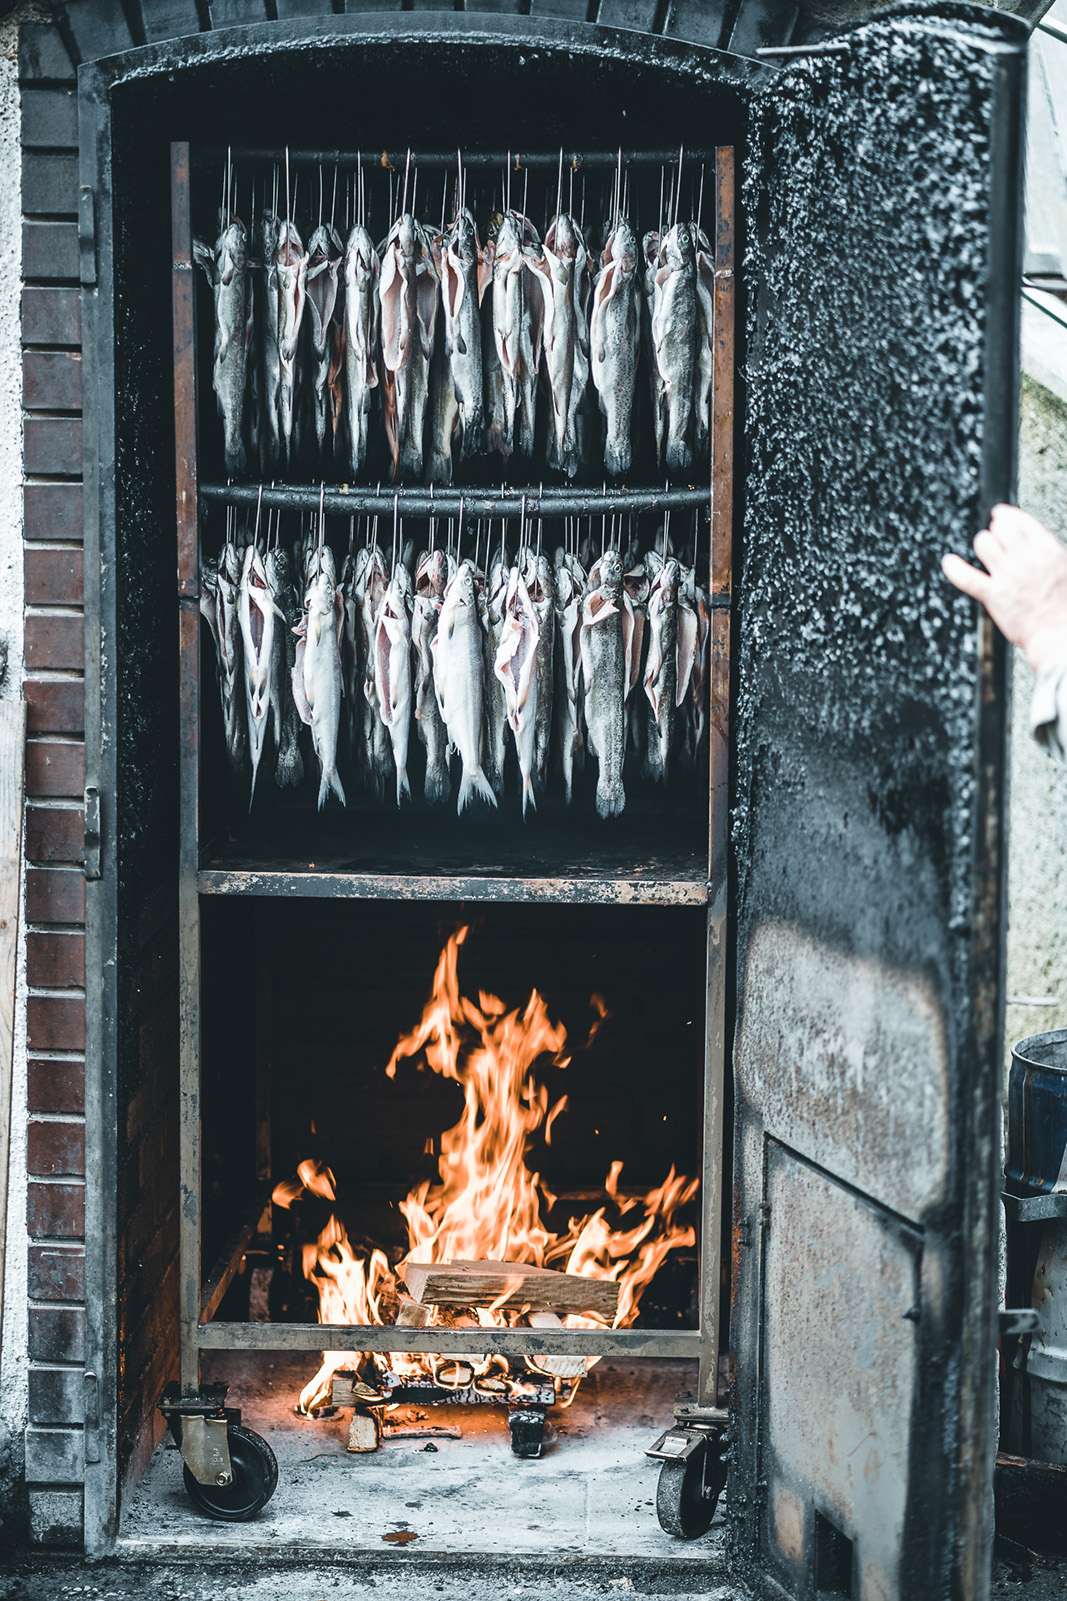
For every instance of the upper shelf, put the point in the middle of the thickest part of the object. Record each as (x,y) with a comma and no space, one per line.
(535,500)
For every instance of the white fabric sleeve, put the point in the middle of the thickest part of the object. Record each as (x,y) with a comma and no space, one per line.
(1048,710)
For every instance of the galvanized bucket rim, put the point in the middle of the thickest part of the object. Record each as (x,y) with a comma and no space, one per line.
(1034,1050)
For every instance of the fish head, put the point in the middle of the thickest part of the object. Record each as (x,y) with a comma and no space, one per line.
(668,579)
(230,563)
(267,230)
(290,248)
(621,248)
(650,248)
(678,248)
(401,586)
(360,257)
(508,239)
(232,251)
(564,238)
(432,575)
(407,236)
(463,238)
(320,596)
(610,570)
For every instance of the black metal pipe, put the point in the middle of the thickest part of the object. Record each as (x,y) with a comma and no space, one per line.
(551,502)
(447,159)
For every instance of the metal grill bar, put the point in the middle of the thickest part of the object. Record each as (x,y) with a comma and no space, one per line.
(446,160)
(449,503)
(502,1342)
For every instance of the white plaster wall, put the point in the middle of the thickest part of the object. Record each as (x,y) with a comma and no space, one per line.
(13,1356)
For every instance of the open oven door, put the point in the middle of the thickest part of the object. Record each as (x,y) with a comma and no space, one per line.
(883,200)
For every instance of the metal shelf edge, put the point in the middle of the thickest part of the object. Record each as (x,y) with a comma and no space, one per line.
(504,1342)
(404,887)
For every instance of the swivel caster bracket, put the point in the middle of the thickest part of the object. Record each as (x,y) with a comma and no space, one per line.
(693,1473)
(199,1424)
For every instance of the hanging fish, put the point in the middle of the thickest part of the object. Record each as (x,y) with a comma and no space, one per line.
(317,681)
(226,267)
(614,340)
(564,287)
(492,605)
(518,308)
(497,436)
(392,671)
(568,670)
(351,657)
(461,300)
(443,414)
(540,585)
(369,588)
(361,331)
(693,642)
(705,341)
(431,577)
(285,720)
(661,669)
(323,281)
(257,612)
(407,295)
(457,673)
(231,692)
(290,263)
(516,668)
(604,676)
(675,318)
(267,327)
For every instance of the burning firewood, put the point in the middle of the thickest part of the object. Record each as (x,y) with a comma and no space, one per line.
(559,1367)
(509,1284)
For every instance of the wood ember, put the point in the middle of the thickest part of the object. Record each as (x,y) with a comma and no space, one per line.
(347,1389)
(560,1367)
(509,1284)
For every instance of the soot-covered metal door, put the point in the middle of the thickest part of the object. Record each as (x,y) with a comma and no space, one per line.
(883,196)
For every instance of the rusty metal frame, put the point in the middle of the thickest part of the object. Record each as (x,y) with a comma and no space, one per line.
(200,1296)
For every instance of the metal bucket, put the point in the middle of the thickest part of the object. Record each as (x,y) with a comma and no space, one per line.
(1037,1165)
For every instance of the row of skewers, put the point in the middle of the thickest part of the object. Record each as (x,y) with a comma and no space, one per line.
(440,343)
(585,653)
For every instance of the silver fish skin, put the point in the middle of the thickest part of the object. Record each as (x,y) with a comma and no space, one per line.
(457,674)
(661,669)
(614,341)
(517,313)
(705,340)
(647,268)
(362,315)
(231,653)
(541,587)
(431,578)
(226,266)
(392,671)
(257,612)
(568,673)
(377,757)
(516,668)
(268,324)
(443,412)
(603,650)
(323,280)
(285,719)
(463,327)
(564,281)
(675,318)
(352,665)
(317,682)
(407,295)
(497,436)
(491,613)
(290,262)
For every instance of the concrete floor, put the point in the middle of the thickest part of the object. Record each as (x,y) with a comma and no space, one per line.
(590,1496)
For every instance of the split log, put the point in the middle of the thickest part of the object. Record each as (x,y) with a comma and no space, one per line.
(560,1367)
(347,1389)
(509,1284)
(363,1431)
(421,1431)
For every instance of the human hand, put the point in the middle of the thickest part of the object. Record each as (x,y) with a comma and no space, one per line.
(1024,587)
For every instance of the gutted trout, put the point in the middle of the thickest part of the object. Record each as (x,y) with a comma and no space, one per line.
(517,315)
(705,341)
(226,266)
(323,280)
(540,585)
(317,681)
(461,301)
(267,323)
(257,611)
(661,669)
(361,332)
(491,612)
(369,586)
(285,719)
(430,579)
(456,650)
(568,670)
(675,318)
(443,414)
(231,690)
(407,295)
(614,340)
(392,671)
(603,648)
(290,264)
(566,336)
(516,668)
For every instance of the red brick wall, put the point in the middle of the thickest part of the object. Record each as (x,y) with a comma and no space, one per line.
(55,776)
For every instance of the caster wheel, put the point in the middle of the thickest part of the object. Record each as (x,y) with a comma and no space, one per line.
(255,1477)
(688,1493)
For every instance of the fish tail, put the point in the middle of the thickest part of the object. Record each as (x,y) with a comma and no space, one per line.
(610,797)
(471,784)
(436,786)
(328,782)
(528,796)
(403,788)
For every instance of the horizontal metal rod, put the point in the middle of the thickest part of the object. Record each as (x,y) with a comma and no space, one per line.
(498,1342)
(314,885)
(396,160)
(474,502)
(784,52)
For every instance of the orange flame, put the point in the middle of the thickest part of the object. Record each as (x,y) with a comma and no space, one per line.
(487,1203)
